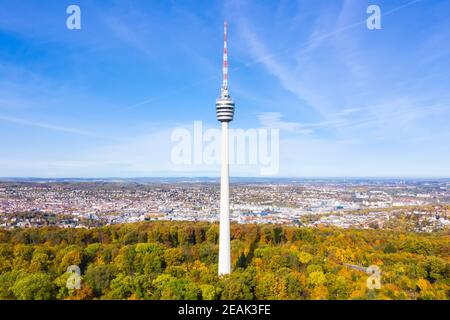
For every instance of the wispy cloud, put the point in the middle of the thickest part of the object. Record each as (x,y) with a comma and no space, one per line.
(53,127)
(274,120)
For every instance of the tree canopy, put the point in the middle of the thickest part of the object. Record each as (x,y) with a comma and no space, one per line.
(178,260)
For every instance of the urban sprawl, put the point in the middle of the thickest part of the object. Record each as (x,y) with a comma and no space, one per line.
(422,205)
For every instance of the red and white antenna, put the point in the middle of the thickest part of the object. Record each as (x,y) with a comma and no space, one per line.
(224,104)
(225,58)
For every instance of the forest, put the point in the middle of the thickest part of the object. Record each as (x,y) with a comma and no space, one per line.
(178,260)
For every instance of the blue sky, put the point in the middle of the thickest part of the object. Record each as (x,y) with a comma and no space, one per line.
(102,101)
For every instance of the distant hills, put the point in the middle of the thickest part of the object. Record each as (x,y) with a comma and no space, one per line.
(246,180)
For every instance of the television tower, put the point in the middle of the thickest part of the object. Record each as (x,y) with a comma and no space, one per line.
(225,112)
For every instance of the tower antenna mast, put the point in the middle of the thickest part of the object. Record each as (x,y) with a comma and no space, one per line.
(225,58)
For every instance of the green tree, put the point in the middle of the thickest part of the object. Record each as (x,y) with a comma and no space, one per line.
(122,287)
(316,278)
(170,288)
(37,286)
(210,292)
(7,281)
(236,288)
(39,262)
(99,278)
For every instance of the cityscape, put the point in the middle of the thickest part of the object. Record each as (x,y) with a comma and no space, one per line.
(351,203)
(230,150)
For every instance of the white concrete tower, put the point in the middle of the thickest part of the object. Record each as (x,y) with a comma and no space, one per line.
(225,112)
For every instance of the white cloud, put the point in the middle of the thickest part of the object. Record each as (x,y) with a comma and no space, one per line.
(273,120)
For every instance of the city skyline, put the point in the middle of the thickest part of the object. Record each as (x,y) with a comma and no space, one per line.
(351,102)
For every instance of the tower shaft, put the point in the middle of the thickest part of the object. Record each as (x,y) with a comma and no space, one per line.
(224,239)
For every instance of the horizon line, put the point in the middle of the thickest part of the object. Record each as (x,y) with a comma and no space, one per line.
(218,177)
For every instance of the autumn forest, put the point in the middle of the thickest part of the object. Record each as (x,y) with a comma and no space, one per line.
(178,260)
